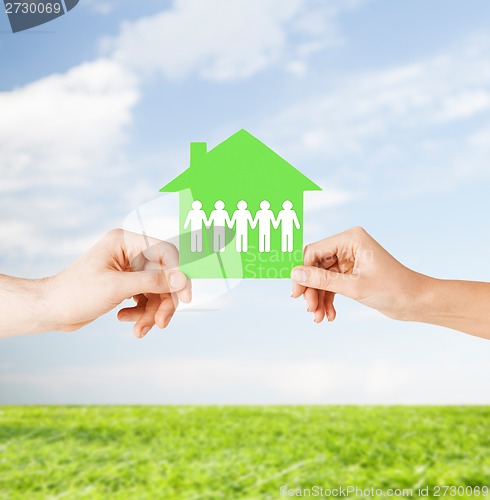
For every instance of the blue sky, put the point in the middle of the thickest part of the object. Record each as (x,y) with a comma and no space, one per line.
(385,104)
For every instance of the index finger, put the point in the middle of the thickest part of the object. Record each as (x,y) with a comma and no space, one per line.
(323,252)
(155,255)
(298,290)
(163,254)
(166,256)
(137,246)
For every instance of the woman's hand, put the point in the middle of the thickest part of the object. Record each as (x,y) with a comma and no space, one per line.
(353,264)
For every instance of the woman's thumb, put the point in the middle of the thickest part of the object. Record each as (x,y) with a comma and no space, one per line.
(322,279)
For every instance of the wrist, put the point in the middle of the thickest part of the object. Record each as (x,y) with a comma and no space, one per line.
(45,312)
(24,306)
(39,313)
(420,299)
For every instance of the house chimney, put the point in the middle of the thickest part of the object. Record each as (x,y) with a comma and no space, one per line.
(198,153)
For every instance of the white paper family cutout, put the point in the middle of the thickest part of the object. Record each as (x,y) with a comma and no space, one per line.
(241,221)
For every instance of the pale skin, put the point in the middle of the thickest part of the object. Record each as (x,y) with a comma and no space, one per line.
(124,265)
(353,264)
(120,266)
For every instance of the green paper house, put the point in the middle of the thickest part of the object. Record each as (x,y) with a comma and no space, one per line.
(240,211)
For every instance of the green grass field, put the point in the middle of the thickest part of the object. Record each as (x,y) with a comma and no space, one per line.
(236,452)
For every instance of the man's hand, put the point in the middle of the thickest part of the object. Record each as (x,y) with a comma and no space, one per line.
(120,266)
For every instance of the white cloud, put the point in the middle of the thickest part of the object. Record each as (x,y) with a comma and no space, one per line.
(388,118)
(480,139)
(202,380)
(329,197)
(222,40)
(340,121)
(104,8)
(60,136)
(23,239)
(98,7)
(297,68)
(464,104)
(56,129)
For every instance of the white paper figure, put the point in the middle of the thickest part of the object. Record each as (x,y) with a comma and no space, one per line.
(287,218)
(196,218)
(241,219)
(265,217)
(220,218)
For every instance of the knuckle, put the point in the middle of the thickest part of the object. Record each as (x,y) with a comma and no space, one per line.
(358,231)
(309,254)
(324,279)
(171,247)
(306,251)
(115,234)
(165,253)
(171,250)
(153,281)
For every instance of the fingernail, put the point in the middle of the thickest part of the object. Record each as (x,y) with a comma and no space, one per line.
(145,330)
(177,280)
(299,275)
(159,320)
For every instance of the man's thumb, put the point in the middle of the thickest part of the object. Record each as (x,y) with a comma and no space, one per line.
(135,283)
(321,279)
